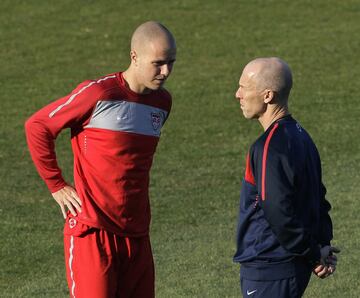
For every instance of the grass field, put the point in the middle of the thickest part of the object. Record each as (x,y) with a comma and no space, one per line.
(48,47)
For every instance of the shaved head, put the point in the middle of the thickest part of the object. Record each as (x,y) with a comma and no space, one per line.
(149,33)
(271,73)
(264,89)
(152,56)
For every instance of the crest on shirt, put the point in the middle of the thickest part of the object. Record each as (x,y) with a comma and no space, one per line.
(156,119)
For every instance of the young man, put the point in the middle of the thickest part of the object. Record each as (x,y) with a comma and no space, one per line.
(115,124)
(284,229)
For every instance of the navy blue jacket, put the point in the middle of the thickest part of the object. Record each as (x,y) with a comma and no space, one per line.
(283,216)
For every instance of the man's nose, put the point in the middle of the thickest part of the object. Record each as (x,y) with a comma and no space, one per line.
(165,70)
(237,94)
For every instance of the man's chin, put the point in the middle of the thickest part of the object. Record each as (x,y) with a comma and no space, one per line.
(156,86)
(247,116)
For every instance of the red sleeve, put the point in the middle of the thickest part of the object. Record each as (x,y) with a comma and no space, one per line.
(43,127)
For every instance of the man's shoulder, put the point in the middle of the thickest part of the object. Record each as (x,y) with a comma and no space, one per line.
(160,98)
(107,83)
(162,94)
(165,93)
(290,140)
(98,85)
(277,137)
(293,134)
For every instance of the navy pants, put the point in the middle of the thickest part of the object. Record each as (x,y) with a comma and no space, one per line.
(292,287)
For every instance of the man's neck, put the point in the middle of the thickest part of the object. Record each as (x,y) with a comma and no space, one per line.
(132,83)
(272,115)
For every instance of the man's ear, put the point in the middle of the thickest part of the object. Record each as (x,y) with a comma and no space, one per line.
(269,96)
(133,57)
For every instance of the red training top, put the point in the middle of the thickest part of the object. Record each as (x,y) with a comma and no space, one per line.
(114,134)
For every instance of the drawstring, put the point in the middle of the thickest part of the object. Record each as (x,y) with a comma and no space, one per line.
(127,240)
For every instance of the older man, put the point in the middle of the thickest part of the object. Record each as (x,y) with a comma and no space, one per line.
(115,124)
(284,229)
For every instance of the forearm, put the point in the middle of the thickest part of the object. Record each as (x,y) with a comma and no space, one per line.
(291,233)
(326,227)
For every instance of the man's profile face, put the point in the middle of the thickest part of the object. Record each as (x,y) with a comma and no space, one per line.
(155,63)
(251,100)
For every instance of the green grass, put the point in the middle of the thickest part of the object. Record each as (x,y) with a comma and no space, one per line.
(48,47)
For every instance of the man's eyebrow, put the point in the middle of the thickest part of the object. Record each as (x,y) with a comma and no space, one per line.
(163,61)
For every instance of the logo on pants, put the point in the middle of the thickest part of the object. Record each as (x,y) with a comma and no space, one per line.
(72,223)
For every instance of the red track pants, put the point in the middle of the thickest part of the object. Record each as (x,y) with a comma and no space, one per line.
(100,264)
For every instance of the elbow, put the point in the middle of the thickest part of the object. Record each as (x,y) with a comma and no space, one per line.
(33,125)
(35,128)
(29,125)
